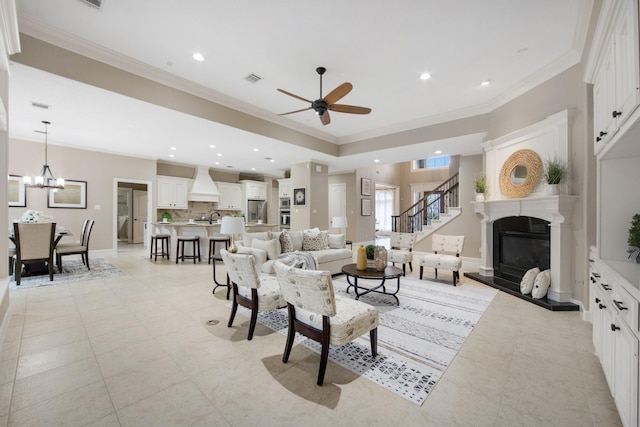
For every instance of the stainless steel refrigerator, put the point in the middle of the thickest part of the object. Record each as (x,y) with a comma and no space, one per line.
(256,211)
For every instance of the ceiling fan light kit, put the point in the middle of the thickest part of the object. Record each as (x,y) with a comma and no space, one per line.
(322,105)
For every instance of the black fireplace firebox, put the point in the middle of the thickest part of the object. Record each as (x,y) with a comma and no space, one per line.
(520,243)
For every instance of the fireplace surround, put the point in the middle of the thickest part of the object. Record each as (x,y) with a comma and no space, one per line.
(557,212)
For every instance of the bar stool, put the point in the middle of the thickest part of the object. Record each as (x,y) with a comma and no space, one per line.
(180,248)
(213,241)
(164,240)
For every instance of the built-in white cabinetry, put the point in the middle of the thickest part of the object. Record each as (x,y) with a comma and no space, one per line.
(284,188)
(254,190)
(614,69)
(172,192)
(230,196)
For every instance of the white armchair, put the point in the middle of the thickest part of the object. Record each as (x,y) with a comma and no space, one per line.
(446,255)
(316,312)
(401,249)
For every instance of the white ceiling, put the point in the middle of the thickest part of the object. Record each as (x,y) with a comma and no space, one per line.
(381,47)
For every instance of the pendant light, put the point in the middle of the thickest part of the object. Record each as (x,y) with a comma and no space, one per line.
(45,179)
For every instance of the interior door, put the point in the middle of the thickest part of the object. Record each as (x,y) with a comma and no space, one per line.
(337,203)
(139,215)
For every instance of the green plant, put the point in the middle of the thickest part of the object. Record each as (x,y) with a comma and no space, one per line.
(480,183)
(167,216)
(634,237)
(238,214)
(555,171)
(370,251)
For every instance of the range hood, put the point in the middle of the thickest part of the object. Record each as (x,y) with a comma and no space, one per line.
(203,188)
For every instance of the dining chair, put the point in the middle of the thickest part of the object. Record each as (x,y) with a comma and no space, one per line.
(81,249)
(317,313)
(250,290)
(34,244)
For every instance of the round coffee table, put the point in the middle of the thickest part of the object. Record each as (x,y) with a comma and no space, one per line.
(390,272)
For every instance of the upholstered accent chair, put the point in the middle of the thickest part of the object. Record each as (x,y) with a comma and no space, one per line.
(446,255)
(401,247)
(317,313)
(81,249)
(257,293)
(34,244)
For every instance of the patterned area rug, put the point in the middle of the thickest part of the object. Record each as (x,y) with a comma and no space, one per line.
(416,340)
(74,271)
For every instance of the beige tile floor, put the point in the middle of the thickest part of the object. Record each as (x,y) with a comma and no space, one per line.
(137,351)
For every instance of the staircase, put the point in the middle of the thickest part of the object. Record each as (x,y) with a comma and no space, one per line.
(428,214)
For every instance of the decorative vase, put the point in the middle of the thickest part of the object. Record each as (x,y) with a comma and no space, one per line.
(553,189)
(479,197)
(361,260)
(380,258)
(371,264)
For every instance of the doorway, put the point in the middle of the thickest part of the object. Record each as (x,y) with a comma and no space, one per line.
(337,204)
(132,206)
(387,205)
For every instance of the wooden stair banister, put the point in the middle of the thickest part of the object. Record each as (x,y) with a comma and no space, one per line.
(424,211)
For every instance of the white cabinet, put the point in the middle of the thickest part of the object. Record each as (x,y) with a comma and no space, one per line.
(616,82)
(254,190)
(284,188)
(230,196)
(172,192)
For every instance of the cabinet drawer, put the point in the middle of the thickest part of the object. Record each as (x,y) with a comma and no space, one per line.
(627,307)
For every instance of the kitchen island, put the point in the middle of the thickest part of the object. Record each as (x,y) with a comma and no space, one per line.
(202,229)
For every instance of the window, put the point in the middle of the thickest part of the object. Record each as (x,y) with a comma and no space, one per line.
(432,163)
(384,208)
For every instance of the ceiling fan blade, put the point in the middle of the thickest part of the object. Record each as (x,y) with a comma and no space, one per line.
(297,111)
(341,108)
(324,118)
(338,93)
(295,96)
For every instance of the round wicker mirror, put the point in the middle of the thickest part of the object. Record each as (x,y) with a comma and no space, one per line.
(520,174)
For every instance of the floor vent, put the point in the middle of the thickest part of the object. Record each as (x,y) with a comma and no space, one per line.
(253,78)
(95,3)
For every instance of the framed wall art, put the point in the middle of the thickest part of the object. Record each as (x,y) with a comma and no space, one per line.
(16,191)
(299,196)
(72,196)
(365,186)
(366,207)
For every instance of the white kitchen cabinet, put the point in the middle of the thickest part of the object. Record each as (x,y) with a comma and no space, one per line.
(284,188)
(254,190)
(172,192)
(230,196)
(625,367)
(616,76)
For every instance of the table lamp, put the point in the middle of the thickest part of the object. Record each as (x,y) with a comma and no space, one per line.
(339,222)
(232,225)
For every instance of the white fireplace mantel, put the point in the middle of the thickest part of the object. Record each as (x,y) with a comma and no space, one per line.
(555,209)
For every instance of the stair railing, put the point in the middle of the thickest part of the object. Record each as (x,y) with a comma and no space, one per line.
(428,208)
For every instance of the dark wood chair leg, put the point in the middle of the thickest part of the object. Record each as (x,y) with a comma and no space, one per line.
(421,268)
(436,272)
(410,267)
(373,335)
(254,313)
(234,306)
(324,354)
(291,333)
(86,255)
(404,269)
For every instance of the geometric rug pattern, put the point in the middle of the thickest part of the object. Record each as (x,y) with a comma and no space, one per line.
(417,340)
(74,270)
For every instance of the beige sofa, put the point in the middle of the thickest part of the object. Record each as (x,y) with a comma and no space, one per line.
(328,250)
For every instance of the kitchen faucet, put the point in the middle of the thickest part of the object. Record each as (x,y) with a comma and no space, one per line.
(212,214)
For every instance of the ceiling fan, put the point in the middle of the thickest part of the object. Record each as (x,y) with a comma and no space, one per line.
(323,105)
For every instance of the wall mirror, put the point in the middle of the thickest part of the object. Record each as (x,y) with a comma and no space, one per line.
(520,174)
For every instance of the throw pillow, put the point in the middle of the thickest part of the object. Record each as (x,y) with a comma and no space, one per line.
(526,284)
(247,238)
(286,243)
(337,241)
(296,239)
(313,240)
(269,246)
(541,285)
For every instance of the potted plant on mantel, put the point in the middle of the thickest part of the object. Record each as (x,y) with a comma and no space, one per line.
(634,238)
(555,172)
(480,185)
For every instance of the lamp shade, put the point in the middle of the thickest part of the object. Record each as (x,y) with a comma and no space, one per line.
(232,225)
(339,222)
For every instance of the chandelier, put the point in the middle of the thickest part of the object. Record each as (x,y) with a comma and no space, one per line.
(45,179)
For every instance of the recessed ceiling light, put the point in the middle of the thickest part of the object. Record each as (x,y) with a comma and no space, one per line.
(485,83)
(212,146)
(217,163)
(376,161)
(253,169)
(198,57)
(171,155)
(272,161)
(256,149)
(438,151)
(219,154)
(173,148)
(425,76)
